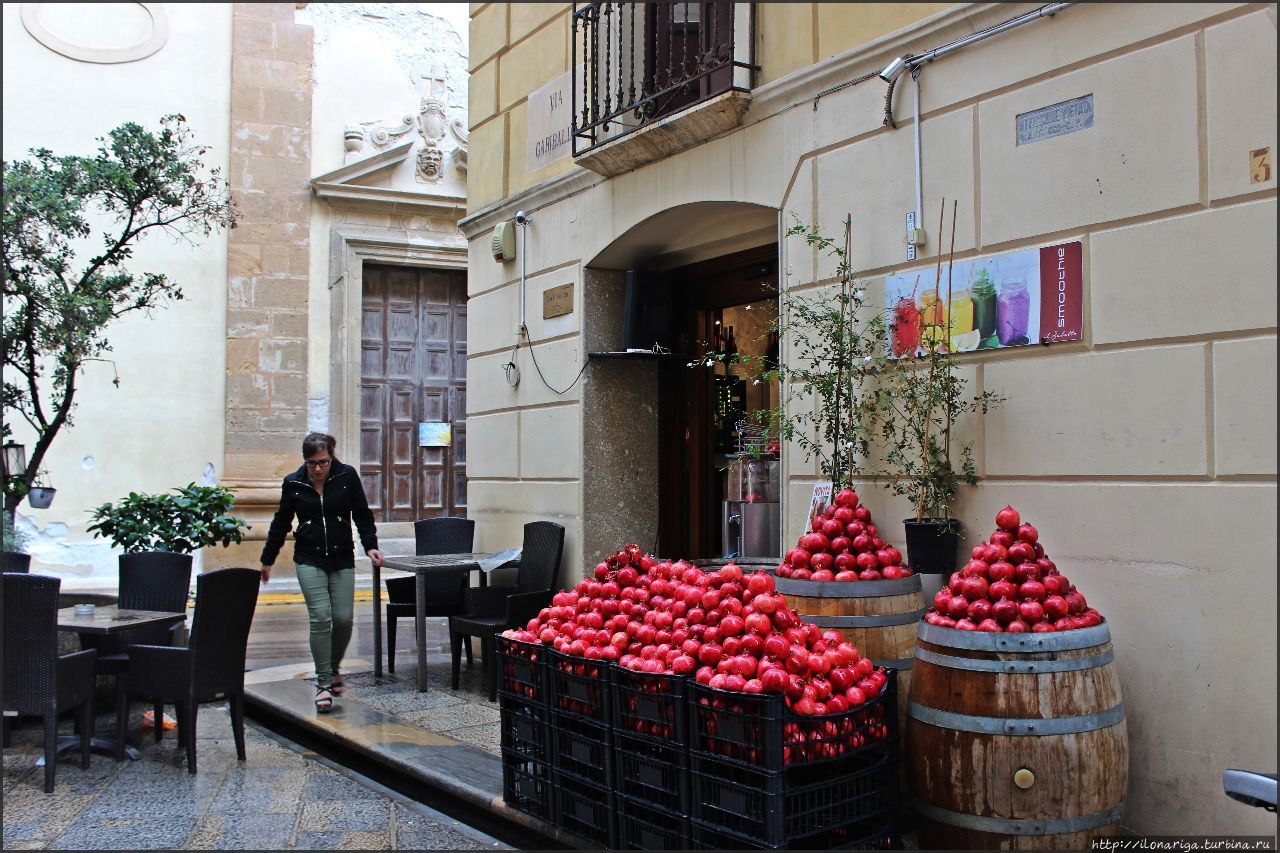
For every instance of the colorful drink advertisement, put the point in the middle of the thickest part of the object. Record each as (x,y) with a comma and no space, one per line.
(1023,297)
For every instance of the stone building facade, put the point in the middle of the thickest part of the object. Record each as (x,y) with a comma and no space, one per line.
(1145,450)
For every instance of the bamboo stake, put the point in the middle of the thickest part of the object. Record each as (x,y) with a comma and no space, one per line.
(937,282)
(951,264)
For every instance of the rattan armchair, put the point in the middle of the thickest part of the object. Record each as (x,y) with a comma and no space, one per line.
(209,669)
(37,681)
(149,580)
(444,535)
(495,608)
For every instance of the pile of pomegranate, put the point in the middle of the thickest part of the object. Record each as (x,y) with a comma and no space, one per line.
(843,545)
(1011,585)
(726,629)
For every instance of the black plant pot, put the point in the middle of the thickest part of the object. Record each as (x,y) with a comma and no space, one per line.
(40,497)
(932,544)
(15,561)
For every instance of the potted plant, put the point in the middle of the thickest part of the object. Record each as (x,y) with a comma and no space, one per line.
(834,343)
(40,495)
(16,558)
(183,521)
(918,400)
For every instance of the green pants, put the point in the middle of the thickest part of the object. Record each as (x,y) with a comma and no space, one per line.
(330,598)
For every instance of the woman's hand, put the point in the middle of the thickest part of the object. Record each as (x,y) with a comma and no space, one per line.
(266,572)
(376,556)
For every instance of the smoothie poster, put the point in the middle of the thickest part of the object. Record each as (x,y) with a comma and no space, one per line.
(1023,297)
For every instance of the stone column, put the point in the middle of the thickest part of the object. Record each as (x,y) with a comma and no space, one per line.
(267,269)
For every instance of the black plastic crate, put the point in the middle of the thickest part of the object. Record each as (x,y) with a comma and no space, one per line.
(586,809)
(522,669)
(651,705)
(579,687)
(643,827)
(528,786)
(759,730)
(774,809)
(878,833)
(583,749)
(652,773)
(526,728)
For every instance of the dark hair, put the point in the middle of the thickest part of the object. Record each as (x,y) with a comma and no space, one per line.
(315,442)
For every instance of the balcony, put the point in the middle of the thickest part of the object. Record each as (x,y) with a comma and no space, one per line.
(654,79)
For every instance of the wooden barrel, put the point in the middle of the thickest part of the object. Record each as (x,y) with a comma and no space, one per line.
(1016,741)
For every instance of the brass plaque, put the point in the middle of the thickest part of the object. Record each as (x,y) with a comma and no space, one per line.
(557,301)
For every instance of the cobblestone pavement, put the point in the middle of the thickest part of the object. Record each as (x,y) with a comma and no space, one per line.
(281,798)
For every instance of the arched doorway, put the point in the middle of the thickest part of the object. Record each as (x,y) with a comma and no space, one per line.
(661,432)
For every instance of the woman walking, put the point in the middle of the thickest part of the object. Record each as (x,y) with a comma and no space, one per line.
(326,496)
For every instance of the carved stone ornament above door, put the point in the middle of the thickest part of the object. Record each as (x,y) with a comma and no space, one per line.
(433,126)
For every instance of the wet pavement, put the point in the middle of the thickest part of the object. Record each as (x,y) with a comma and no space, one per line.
(280,798)
(283,797)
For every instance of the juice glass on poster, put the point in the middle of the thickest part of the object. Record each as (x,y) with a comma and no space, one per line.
(1013,312)
(984,305)
(961,317)
(933,319)
(906,327)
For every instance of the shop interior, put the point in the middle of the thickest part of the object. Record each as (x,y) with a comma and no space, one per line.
(718,483)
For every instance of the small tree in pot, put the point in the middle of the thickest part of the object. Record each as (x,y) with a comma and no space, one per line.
(183,522)
(917,402)
(834,350)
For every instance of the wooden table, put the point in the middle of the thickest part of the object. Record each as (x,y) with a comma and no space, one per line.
(109,620)
(421,566)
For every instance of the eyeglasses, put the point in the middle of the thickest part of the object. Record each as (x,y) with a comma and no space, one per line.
(318,463)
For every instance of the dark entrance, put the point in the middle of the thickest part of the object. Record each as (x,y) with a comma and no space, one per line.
(700,407)
(413,370)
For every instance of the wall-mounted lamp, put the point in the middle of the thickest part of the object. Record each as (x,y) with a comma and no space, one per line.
(15,459)
(894,69)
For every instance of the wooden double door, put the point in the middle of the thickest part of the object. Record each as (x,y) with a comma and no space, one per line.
(413,371)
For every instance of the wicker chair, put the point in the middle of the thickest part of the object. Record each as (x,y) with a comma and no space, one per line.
(209,669)
(151,580)
(37,682)
(492,609)
(444,535)
(15,561)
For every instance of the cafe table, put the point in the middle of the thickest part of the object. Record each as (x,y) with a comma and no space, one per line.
(421,566)
(109,620)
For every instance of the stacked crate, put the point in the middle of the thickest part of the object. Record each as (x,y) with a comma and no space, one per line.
(582,743)
(527,750)
(630,760)
(651,759)
(764,777)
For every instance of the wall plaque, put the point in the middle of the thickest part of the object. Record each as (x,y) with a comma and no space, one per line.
(548,129)
(557,301)
(1057,120)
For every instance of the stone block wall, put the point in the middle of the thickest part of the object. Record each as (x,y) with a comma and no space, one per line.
(268,261)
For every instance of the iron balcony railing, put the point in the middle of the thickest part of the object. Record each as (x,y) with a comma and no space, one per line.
(635,63)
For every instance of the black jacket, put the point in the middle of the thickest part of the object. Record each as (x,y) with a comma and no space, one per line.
(323,538)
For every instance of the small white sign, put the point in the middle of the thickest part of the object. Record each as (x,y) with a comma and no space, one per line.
(821,497)
(550,117)
(434,434)
(911,225)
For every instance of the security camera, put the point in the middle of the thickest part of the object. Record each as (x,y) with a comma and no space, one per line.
(523,218)
(893,70)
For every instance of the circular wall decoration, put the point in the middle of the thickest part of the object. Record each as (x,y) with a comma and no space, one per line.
(142,33)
